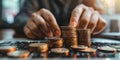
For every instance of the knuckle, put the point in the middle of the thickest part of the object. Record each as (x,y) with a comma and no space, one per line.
(43,9)
(77,11)
(94,18)
(96,12)
(82,5)
(26,31)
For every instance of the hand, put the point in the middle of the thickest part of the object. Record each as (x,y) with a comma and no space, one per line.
(84,17)
(42,24)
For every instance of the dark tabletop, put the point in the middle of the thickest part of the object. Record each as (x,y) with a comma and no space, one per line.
(8,37)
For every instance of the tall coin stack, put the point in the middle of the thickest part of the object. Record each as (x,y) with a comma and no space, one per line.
(84,37)
(69,36)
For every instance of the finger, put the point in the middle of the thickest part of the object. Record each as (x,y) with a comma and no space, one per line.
(50,19)
(84,19)
(40,22)
(101,24)
(28,33)
(76,13)
(93,21)
(34,29)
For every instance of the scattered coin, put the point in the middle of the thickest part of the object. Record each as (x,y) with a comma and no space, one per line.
(19,54)
(6,49)
(59,50)
(106,49)
(115,46)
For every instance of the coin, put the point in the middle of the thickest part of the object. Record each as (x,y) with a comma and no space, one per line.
(68,28)
(69,36)
(88,50)
(59,50)
(79,47)
(39,47)
(19,54)
(115,46)
(69,41)
(55,42)
(106,49)
(6,49)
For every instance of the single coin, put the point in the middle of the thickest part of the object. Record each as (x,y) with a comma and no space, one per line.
(79,47)
(68,28)
(59,50)
(88,50)
(6,49)
(19,54)
(54,38)
(106,49)
(115,46)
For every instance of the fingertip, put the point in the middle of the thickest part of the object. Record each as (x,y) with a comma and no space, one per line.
(58,33)
(101,25)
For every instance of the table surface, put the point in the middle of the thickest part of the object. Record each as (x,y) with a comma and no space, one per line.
(7,36)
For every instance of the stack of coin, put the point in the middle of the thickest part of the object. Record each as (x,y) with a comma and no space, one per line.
(84,37)
(69,36)
(38,47)
(55,42)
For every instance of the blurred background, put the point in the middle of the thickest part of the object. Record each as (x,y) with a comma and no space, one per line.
(9,8)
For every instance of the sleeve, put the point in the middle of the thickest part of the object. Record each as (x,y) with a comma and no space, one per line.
(21,18)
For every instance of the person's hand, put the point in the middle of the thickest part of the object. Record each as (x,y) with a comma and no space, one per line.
(42,24)
(84,17)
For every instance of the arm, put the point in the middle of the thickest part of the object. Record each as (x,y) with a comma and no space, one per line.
(23,16)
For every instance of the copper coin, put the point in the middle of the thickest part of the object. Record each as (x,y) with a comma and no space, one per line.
(59,50)
(84,37)
(55,42)
(19,54)
(39,47)
(68,28)
(88,50)
(79,47)
(6,49)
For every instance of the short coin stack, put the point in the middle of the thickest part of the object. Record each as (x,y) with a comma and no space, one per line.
(69,36)
(56,46)
(84,37)
(38,47)
(55,42)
